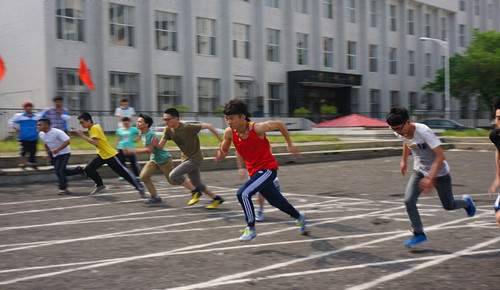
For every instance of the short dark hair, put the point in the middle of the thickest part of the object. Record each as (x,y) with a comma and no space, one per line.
(125,119)
(147,119)
(58,98)
(496,106)
(172,112)
(237,107)
(397,116)
(124,100)
(85,116)
(44,120)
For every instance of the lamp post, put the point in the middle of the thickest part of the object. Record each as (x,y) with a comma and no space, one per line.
(446,49)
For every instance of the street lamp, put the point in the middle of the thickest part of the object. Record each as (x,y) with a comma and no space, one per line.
(446,49)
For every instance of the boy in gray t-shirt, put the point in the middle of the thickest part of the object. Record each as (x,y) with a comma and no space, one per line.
(429,170)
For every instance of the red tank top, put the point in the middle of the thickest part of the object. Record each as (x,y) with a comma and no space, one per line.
(256,152)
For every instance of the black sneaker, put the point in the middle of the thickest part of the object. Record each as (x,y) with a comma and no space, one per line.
(98,189)
(153,200)
(64,192)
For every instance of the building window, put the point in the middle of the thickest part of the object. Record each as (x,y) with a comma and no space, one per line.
(392,17)
(411,63)
(121,25)
(411,22)
(413,101)
(328,52)
(393,63)
(74,93)
(166,31)
(461,35)
(374,103)
(273,3)
(301,6)
(351,55)
(168,90)
(274,98)
(428,65)
(354,101)
(429,101)
(273,45)
(373,13)
(462,5)
(241,40)
(328,9)
(205,36)
(302,48)
(443,29)
(208,95)
(243,91)
(69,18)
(476,7)
(395,98)
(351,11)
(372,56)
(124,85)
(427,25)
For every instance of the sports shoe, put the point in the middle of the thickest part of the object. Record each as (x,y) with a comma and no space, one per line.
(301,222)
(195,196)
(418,239)
(138,178)
(215,203)
(248,234)
(121,178)
(471,210)
(142,193)
(64,192)
(153,200)
(260,216)
(97,189)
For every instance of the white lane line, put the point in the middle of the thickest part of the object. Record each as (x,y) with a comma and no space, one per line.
(431,263)
(227,278)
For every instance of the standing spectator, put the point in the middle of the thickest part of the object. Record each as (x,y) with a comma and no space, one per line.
(58,150)
(58,115)
(25,126)
(124,110)
(125,139)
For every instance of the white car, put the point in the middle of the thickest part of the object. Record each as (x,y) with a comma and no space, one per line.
(160,129)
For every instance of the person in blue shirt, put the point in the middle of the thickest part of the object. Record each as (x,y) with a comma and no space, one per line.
(25,125)
(125,139)
(58,115)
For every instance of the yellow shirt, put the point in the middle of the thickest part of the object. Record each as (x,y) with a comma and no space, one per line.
(104,150)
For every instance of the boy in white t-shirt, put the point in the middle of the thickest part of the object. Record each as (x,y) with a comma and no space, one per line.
(429,170)
(57,148)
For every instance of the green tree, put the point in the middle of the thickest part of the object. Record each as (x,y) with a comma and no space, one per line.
(476,72)
(218,111)
(328,110)
(182,109)
(301,112)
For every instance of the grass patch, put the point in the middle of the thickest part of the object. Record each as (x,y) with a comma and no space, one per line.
(466,133)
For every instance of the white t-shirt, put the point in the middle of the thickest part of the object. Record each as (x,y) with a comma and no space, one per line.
(54,139)
(121,112)
(424,140)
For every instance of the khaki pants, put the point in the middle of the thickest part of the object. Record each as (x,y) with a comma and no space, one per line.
(150,168)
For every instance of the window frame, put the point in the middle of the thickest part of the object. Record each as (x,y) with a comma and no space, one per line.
(171,34)
(241,45)
(127,25)
(206,42)
(63,21)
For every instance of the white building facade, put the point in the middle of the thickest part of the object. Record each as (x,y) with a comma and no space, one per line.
(362,56)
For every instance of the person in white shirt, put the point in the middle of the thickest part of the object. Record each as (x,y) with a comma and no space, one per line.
(57,148)
(124,110)
(429,170)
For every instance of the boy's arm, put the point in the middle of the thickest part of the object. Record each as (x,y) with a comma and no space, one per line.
(92,141)
(262,128)
(427,182)
(63,145)
(117,140)
(224,145)
(404,160)
(211,127)
(239,162)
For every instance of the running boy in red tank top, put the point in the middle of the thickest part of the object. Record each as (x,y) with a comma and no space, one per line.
(249,139)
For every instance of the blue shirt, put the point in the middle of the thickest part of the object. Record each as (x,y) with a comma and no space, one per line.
(26,124)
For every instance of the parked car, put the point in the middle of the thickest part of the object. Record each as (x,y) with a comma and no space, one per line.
(160,129)
(436,123)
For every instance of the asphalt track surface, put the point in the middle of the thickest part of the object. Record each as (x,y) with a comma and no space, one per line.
(356,226)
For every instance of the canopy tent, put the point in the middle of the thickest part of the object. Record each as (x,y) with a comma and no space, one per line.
(353,120)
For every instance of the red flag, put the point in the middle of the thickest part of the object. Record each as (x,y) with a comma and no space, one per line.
(2,68)
(85,75)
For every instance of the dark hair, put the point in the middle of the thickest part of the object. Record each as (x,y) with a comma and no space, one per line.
(58,98)
(172,112)
(496,106)
(125,119)
(237,107)
(85,116)
(124,100)
(44,120)
(397,116)
(147,119)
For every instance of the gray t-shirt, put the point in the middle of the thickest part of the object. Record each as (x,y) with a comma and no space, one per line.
(421,147)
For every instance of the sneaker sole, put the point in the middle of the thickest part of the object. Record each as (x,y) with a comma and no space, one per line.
(415,245)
